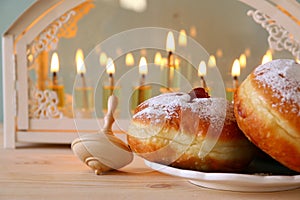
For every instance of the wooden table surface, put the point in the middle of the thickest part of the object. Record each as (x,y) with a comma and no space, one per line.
(53,172)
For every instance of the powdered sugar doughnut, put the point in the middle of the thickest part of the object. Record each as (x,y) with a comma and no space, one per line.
(267,108)
(173,129)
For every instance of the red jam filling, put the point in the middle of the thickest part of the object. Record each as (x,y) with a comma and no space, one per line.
(198,93)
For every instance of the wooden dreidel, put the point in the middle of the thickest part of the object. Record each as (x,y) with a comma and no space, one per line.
(103,151)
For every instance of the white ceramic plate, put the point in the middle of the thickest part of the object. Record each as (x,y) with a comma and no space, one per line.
(232,181)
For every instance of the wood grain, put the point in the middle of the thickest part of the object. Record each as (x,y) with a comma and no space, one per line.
(53,172)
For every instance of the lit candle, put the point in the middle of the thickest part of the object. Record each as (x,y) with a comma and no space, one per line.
(202,73)
(243,60)
(81,70)
(142,92)
(110,88)
(267,57)
(129,60)
(170,46)
(110,70)
(143,70)
(54,68)
(103,59)
(55,86)
(212,61)
(235,73)
(182,39)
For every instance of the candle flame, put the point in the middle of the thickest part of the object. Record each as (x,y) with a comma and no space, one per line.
(80,62)
(182,39)
(157,58)
(267,57)
(129,60)
(170,44)
(243,60)
(54,63)
(202,69)
(236,69)
(297,60)
(212,61)
(103,59)
(110,66)
(143,68)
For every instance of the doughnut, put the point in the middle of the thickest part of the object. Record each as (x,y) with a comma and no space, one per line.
(189,131)
(267,110)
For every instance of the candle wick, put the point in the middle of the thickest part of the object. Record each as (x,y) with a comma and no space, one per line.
(111,82)
(54,78)
(235,82)
(169,81)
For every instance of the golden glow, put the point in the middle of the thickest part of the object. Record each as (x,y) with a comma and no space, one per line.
(143,68)
(80,62)
(157,58)
(182,39)
(219,53)
(103,59)
(193,31)
(54,63)
(170,44)
(202,69)
(297,60)
(110,66)
(267,57)
(164,62)
(177,62)
(212,61)
(236,69)
(243,60)
(248,52)
(129,60)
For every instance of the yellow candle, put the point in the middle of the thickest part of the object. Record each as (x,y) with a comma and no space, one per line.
(83,89)
(55,86)
(170,47)
(143,70)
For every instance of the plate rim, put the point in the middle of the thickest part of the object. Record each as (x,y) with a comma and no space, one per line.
(220,177)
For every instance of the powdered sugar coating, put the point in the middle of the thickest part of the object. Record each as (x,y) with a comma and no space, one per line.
(165,107)
(282,76)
